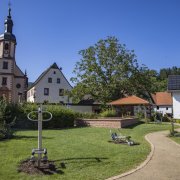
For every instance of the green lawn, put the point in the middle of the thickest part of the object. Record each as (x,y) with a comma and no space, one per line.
(176,139)
(85,152)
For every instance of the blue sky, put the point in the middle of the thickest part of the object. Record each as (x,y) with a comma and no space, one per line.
(50,31)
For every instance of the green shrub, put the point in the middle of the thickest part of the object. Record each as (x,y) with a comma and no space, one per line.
(21,112)
(177,121)
(86,115)
(108,113)
(165,118)
(62,117)
(140,115)
(6,120)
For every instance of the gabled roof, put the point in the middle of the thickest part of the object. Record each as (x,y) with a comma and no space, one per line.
(162,98)
(174,83)
(130,100)
(53,66)
(19,71)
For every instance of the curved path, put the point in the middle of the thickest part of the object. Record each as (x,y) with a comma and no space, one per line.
(164,163)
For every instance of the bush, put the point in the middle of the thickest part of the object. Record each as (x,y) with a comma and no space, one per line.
(87,115)
(108,113)
(165,118)
(6,120)
(177,121)
(62,117)
(140,115)
(21,112)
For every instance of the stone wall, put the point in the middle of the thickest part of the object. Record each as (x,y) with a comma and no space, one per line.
(107,123)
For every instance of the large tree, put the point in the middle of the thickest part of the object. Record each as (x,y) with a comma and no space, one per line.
(107,71)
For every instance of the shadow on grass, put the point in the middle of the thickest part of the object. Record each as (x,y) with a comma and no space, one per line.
(19,137)
(30,137)
(51,168)
(88,161)
(134,125)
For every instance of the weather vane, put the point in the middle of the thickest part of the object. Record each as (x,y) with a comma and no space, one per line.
(9,4)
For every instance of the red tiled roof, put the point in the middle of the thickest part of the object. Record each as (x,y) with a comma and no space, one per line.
(162,98)
(130,100)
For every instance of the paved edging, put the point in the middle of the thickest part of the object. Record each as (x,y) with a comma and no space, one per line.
(143,164)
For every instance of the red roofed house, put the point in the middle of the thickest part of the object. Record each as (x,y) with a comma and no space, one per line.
(131,104)
(162,102)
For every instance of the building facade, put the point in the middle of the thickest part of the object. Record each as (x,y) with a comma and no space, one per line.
(162,103)
(13,82)
(174,89)
(50,87)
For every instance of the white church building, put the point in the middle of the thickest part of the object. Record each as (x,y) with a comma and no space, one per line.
(50,87)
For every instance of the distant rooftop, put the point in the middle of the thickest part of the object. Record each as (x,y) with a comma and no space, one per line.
(174,83)
(130,100)
(162,98)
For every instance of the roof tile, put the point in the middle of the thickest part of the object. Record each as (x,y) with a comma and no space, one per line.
(162,98)
(130,100)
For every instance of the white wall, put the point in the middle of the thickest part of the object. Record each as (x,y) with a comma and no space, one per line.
(176,105)
(54,87)
(81,108)
(30,95)
(163,109)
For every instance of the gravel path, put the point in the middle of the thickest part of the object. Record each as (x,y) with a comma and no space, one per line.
(164,163)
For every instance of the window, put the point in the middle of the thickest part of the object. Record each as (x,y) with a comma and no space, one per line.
(54,72)
(46,91)
(58,80)
(18,86)
(61,92)
(4,81)
(157,107)
(49,80)
(6,46)
(5,65)
(166,108)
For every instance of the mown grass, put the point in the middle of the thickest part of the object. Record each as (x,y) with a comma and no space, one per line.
(176,139)
(85,152)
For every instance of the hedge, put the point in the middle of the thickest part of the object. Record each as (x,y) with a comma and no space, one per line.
(62,116)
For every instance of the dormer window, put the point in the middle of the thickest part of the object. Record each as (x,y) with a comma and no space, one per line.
(49,80)
(5,65)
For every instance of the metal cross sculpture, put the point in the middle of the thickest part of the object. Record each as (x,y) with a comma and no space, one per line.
(39,150)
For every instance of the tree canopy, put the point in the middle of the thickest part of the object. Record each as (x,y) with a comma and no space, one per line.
(108,70)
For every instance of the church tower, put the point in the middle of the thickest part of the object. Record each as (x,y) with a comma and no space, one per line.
(13,82)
